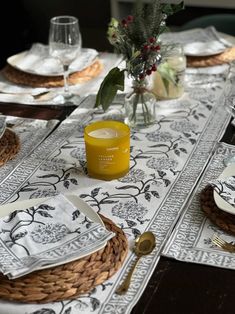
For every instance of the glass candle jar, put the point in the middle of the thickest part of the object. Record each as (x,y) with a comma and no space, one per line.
(107,149)
(168,80)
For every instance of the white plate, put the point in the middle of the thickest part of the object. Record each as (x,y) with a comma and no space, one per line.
(198,42)
(78,202)
(219,201)
(47,66)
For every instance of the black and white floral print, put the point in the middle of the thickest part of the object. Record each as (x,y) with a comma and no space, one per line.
(2,125)
(134,176)
(79,153)
(114,115)
(129,210)
(60,230)
(183,126)
(196,244)
(43,193)
(157,136)
(53,165)
(49,233)
(162,163)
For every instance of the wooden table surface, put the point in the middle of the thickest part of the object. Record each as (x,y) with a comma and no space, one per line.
(175,287)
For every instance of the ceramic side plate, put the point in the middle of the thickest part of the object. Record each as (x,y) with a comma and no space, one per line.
(219,201)
(37,61)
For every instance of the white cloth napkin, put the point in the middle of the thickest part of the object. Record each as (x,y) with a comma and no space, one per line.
(49,233)
(38,61)
(225,188)
(2,125)
(198,41)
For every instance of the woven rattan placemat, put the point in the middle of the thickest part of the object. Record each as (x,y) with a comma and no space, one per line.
(225,57)
(9,146)
(19,77)
(222,219)
(70,280)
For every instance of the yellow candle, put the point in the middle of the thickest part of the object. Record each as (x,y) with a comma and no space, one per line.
(107,149)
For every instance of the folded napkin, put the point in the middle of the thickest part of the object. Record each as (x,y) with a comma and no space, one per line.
(50,98)
(38,61)
(52,232)
(2,125)
(198,42)
(225,188)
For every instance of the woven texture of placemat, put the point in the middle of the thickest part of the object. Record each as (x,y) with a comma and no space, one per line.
(68,281)
(220,218)
(225,57)
(9,146)
(20,77)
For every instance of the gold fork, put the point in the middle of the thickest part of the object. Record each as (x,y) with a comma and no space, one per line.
(229,247)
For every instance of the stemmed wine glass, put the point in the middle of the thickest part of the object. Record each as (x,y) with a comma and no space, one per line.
(65,44)
(229,101)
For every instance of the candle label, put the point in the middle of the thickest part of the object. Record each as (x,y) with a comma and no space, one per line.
(105,161)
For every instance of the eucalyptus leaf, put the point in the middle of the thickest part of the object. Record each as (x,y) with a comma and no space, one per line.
(113,82)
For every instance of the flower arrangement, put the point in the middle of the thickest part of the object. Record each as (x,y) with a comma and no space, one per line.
(137,38)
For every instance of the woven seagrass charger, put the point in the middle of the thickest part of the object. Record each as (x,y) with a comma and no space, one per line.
(220,218)
(9,146)
(69,281)
(225,57)
(20,77)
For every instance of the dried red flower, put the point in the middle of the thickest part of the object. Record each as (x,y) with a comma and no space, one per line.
(152,40)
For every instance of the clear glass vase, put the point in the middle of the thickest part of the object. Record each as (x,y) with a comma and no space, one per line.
(140,106)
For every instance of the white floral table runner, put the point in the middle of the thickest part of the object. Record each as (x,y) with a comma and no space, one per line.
(31,133)
(166,162)
(191,238)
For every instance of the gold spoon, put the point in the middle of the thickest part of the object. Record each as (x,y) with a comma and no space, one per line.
(144,245)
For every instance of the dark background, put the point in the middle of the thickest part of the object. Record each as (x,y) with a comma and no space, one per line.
(23,22)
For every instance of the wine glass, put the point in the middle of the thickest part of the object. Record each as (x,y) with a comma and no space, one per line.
(229,101)
(65,44)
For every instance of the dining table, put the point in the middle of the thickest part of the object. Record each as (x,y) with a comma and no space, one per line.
(171,164)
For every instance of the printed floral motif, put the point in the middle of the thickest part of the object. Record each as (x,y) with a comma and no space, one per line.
(162,163)
(114,115)
(201,94)
(53,165)
(79,153)
(159,136)
(49,233)
(129,210)
(43,193)
(134,175)
(183,126)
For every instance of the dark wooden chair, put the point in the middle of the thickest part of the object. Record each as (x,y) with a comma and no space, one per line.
(224,23)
